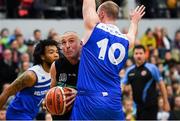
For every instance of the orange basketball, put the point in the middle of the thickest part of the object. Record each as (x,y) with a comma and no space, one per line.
(54,100)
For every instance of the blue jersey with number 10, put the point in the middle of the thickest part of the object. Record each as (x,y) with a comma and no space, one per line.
(102,57)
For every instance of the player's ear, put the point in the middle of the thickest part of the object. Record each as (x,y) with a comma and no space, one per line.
(101,15)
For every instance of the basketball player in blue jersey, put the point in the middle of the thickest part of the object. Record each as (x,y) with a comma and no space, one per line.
(103,55)
(31,87)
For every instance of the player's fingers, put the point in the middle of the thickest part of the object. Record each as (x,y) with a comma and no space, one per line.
(44,106)
(68,93)
(142,8)
(143,14)
(136,8)
(70,97)
(70,102)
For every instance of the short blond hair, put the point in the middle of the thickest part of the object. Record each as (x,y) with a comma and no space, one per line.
(111,9)
(69,33)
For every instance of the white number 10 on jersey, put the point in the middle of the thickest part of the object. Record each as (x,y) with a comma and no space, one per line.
(102,44)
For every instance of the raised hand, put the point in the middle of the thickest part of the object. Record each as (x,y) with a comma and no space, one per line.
(137,14)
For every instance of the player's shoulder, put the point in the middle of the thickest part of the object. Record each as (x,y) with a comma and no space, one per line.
(31,75)
(131,68)
(35,67)
(152,67)
(111,29)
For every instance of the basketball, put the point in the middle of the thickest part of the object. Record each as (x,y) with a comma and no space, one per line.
(54,100)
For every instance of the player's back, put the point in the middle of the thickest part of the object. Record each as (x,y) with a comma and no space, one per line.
(103,56)
(98,86)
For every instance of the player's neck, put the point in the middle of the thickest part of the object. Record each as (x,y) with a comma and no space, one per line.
(46,67)
(109,22)
(140,64)
(73,61)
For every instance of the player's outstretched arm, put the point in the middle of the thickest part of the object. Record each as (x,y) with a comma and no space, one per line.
(90,16)
(135,17)
(27,79)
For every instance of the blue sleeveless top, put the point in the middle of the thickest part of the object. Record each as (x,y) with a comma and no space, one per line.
(27,101)
(102,57)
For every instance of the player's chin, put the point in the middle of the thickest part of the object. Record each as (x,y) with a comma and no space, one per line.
(69,55)
(56,58)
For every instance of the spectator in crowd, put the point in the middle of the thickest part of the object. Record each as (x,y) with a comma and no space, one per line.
(30,49)
(17,31)
(170,95)
(129,62)
(176,46)
(37,36)
(4,37)
(162,115)
(166,39)
(128,109)
(159,40)
(174,75)
(15,53)
(162,71)
(8,69)
(174,114)
(22,47)
(127,91)
(143,77)
(25,58)
(55,37)
(153,60)
(177,40)
(168,60)
(51,33)
(148,41)
(23,67)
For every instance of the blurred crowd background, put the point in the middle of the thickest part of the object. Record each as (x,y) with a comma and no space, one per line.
(162,50)
(72,8)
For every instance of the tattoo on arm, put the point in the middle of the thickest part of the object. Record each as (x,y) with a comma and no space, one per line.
(27,79)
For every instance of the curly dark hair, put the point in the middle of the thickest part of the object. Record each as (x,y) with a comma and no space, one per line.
(40,50)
